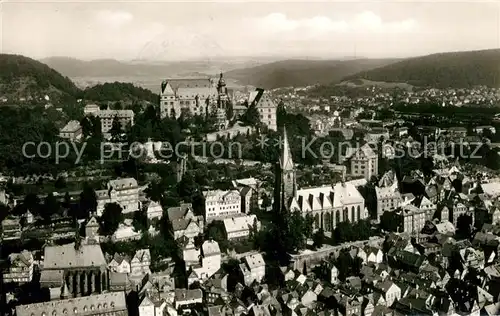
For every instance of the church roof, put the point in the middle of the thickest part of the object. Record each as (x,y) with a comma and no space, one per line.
(66,256)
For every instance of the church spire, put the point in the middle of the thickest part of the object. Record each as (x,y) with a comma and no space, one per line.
(286,161)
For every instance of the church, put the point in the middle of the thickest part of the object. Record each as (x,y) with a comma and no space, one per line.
(328,205)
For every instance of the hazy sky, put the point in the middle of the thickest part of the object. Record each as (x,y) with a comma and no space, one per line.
(178,30)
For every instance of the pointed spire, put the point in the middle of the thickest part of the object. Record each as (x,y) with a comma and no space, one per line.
(286,161)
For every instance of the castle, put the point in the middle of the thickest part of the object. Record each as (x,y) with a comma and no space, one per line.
(195,96)
(328,205)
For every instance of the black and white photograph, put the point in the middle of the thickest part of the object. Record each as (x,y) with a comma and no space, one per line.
(249,158)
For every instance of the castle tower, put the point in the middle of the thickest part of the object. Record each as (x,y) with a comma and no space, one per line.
(222,102)
(285,177)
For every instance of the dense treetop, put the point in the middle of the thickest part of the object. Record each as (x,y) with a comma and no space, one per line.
(456,70)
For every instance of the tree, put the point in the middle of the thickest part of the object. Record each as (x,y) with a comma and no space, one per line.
(32,203)
(60,183)
(116,128)
(319,238)
(140,221)
(251,116)
(391,222)
(229,111)
(111,218)
(88,202)
(50,207)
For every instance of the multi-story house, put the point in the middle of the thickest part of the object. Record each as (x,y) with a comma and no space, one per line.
(266,107)
(364,162)
(151,307)
(71,131)
(124,192)
(389,290)
(154,210)
(20,268)
(249,193)
(124,117)
(11,228)
(210,258)
(113,304)
(240,227)
(426,205)
(388,198)
(221,204)
(119,264)
(185,299)
(458,210)
(184,223)
(139,265)
(413,219)
(253,269)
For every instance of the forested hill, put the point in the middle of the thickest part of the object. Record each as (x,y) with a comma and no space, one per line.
(25,80)
(456,70)
(119,91)
(303,72)
(23,77)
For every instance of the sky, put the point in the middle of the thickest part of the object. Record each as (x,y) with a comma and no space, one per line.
(126,30)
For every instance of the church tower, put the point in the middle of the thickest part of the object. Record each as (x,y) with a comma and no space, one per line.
(285,178)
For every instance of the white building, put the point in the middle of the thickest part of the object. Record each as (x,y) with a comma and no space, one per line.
(194,96)
(126,231)
(124,192)
(204,262)
(266,107)
(139,265)
(124,117)
(20,268)
(71,131)
(364,162)
(221,204)
(240,227)
(154,210)
(119,264)
(253,269)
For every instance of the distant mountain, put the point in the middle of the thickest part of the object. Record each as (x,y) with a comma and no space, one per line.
(458,70)
(23,77)
(110,68)
(298,72)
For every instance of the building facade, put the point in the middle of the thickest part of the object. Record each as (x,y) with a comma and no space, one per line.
(124,117)
(388,196)
(266,107)
(196,96)
(240,227)
(113,304)
(221,204)
(364,162)
(20,268)
(124,192)
(71,131)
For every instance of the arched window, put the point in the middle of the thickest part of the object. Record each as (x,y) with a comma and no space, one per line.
(353,214)
(345,215)
(337,217)
(359,212)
